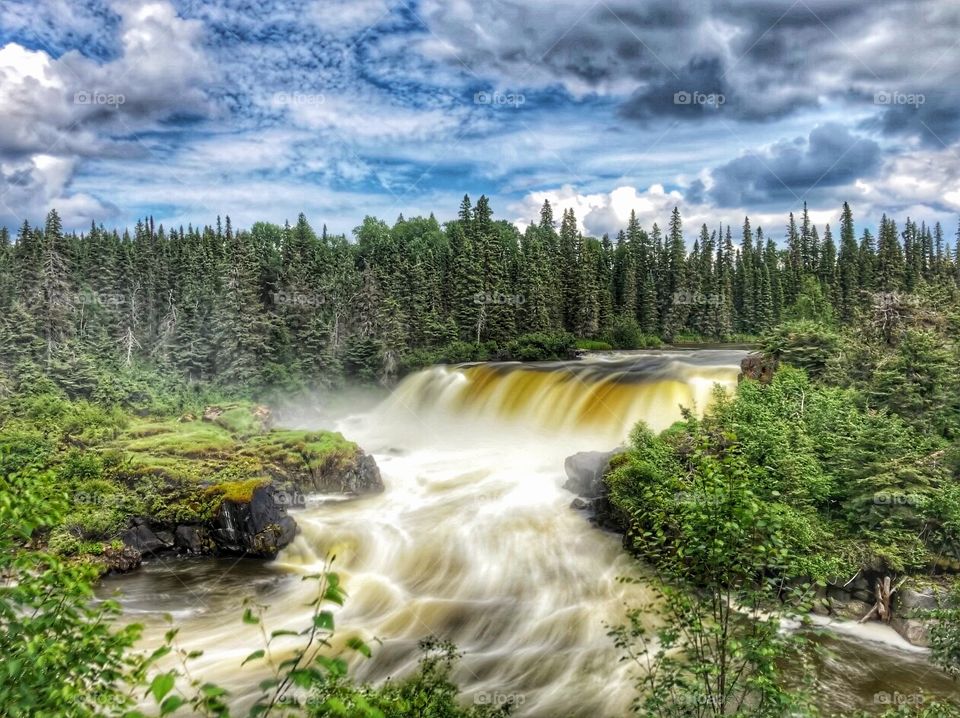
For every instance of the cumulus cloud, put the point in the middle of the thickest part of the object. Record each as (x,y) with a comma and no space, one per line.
(60,111)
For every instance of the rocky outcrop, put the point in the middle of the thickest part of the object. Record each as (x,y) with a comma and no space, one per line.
(355,476)
(141,537)
(585,472)
(121,560)
(759,367)
(585,477)
(259,527)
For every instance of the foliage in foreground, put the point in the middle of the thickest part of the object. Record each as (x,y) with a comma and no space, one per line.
(721,555)
(64,654)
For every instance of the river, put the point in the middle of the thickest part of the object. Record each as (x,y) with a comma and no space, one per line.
(474,541)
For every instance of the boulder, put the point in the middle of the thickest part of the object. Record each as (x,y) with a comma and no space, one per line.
(121,560)
(357,476)
(258,527)
(852,610)
(913,630)
(142,538)
(192,539)
(910,600)
(585,471)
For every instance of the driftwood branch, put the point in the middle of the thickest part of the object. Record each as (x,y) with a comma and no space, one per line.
(883,608)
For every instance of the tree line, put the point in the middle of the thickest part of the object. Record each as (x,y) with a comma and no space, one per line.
(285,305)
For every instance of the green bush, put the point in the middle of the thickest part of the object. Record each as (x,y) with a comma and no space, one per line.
(541,346)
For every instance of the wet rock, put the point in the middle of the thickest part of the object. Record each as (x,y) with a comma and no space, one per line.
(585,472)
(579,504)
(759,367)
(363,477)
(359,475)
(913,630)
(142,538)
(851,610)
(121,560)
(192,539)
(259,527)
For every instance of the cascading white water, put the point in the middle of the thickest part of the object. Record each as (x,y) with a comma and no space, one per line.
(474,541)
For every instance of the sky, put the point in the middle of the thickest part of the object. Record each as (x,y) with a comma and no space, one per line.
(112,110)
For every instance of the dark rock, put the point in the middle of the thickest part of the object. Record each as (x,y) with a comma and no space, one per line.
(759,367)
(839,594)
(143,539)
(579,504)
(121,560)
(360,475)
(863,595)
(585,472)
(260,527)
(192,539)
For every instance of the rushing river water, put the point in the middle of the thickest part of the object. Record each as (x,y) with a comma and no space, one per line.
(474,541)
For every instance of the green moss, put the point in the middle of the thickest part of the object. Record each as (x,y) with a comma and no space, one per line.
(240,419)
(296,450)
(237,491)
(189,439)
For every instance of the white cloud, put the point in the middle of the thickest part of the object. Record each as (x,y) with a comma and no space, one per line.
(57,112)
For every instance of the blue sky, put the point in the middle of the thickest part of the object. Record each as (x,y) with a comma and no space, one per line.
(185,109)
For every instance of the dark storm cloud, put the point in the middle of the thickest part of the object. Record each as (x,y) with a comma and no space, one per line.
(791,170)
(768,58)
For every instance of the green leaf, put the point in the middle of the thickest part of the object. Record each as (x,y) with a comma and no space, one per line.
(359,646)
(161,685)
(259,653)
(324,620)
(170,705)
